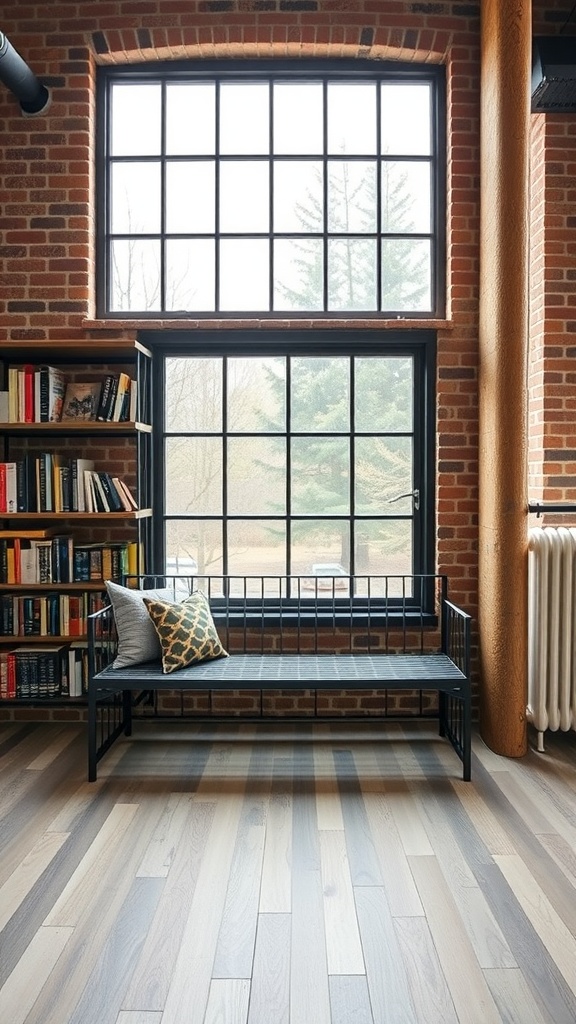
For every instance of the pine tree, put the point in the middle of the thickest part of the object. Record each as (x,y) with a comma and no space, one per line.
(351,274)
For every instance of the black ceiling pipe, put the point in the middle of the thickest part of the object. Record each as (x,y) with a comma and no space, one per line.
(21,80)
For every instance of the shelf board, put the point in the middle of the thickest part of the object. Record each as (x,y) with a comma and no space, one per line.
(76,427)
(21,641)
(64,587)
(43,702)
(25,517)
(90,350)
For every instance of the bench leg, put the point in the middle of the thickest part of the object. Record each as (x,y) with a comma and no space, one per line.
(467,739)
(441,713)
(127,711)
(92,727)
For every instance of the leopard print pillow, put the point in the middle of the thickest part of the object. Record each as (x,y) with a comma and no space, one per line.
(186,631)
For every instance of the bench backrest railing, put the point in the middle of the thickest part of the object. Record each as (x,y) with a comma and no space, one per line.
(303,614)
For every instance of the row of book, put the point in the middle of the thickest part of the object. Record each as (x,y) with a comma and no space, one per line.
(36,673)
(61,559)
(47,482)
(41,394)
(48,614)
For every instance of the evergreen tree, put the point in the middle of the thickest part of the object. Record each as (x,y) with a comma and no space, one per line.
(351,274)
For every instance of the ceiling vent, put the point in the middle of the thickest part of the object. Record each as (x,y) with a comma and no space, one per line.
(554,74)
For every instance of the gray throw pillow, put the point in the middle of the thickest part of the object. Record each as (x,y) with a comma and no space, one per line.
(137,638)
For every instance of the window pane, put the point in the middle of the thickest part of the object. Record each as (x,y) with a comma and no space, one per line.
(406,274)
(384,546)
(194,394)
(133,106)
(320,476)
(257,394)
(383,394)
(298,196)
(256,547)
(351,196)
(320,394)
(256,476)
(405,197)
(135,193)
(244,274)
(194,476)
(198,541)
(135,275)
(244,191)
(190,118)
(319,543)
(298,117)
(190,274)
(352,117)
(244,118)
(298,274)
(351,274)
(406,118)
(383,471)
(190,191)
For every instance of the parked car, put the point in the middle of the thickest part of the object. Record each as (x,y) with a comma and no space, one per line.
(181,566)
(326,576)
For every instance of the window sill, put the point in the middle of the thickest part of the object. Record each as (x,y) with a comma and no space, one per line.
(254,323)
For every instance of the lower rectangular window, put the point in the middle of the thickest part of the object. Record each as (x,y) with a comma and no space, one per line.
(302,455)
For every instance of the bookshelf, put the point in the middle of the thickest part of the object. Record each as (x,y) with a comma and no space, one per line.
(68,488)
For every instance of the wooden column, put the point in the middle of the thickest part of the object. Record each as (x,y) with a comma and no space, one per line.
(505,75)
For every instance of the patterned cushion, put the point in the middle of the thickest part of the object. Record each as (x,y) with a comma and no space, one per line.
(186,631)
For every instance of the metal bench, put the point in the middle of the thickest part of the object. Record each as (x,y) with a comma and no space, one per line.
(378,633)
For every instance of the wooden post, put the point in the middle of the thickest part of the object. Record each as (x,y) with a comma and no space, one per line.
(504,301)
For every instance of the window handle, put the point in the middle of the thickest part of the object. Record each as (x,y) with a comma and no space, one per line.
(415,495)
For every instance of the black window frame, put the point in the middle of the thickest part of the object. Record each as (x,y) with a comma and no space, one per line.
(275,71)
(420,344)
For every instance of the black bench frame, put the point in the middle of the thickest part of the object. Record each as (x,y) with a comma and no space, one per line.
(398,633)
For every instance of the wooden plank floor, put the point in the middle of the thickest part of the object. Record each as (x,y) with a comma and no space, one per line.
(285,874)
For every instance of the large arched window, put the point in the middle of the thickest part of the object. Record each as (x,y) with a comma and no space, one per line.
(234,189)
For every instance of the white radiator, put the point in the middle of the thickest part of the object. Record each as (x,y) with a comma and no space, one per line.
(551,629)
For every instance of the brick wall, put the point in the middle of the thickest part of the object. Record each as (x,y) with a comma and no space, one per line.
(552,363)
(47,244)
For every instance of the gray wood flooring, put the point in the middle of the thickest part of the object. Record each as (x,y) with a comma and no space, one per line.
(306,873)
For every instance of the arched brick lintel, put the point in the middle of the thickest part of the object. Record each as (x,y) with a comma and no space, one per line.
(234,41)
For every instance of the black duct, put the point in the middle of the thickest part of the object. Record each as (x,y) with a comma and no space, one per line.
(21,80)
(554,74)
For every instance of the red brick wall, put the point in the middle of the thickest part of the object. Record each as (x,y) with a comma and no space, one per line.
(47,243)
(552,364)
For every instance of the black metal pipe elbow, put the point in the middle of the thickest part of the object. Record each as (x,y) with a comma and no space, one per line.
(21,80)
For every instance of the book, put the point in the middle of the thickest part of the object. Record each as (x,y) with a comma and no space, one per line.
(28,410)
(52,389)
(11,487)
(133,404)
(13,394)
(121,400)
(100,498)
(107,396)
(121,486)
(81,401)
(26,491)
(78,467)
(89,497)
(28,562)
(113,499)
